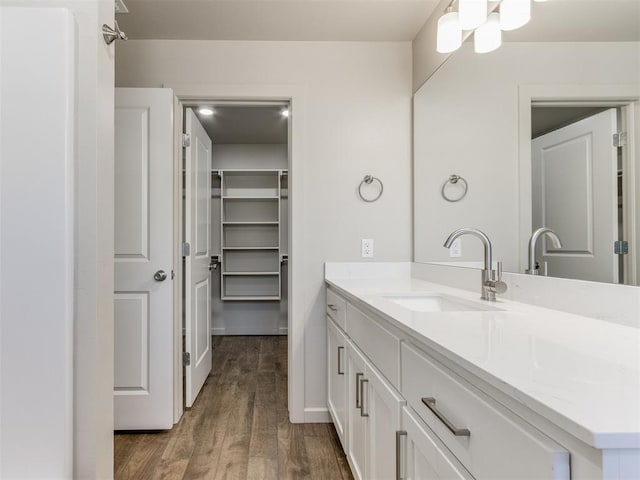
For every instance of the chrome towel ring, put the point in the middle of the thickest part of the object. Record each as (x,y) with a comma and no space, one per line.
(368,180)
(453,180)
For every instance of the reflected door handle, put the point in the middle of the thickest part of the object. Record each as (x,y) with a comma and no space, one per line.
(160,276)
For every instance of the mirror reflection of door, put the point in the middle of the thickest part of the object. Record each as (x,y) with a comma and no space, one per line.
(576,189)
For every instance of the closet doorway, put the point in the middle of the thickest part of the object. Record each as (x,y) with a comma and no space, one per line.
(235,214)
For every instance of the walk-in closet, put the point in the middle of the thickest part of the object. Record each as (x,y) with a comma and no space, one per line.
(249,216)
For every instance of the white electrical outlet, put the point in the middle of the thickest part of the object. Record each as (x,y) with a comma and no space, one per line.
(456,248)
(367,248)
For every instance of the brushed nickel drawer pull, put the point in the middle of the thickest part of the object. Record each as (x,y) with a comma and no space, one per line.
(430,403)
(362,383)
(340,372)
(399,435)
(332,307)
(358,399)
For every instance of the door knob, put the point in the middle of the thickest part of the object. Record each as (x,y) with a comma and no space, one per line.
(160,276)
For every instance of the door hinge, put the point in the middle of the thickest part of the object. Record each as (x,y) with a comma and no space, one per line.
(186,359)
(621,247)
(186,249)
(619,139)
(186,140)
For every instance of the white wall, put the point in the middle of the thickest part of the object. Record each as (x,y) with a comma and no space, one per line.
(466,122)
(358,121)
(62,423)
(36,203)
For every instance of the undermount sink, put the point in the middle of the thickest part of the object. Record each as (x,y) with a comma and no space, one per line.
(435,302)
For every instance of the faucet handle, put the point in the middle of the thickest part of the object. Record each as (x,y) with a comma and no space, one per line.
(497,285)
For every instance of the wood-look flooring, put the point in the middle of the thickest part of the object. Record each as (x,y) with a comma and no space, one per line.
(238,427)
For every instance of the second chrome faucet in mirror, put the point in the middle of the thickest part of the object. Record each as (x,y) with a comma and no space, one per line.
(534,266)
(491,280)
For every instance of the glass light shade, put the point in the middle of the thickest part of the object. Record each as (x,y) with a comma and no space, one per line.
(488,36)
(514,14)
(449,33)
(473,13)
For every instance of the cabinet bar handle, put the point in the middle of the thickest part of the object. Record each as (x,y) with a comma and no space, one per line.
(362,382)
(358,399)
(332,307)
(430,403)
(340,372)
(399,435)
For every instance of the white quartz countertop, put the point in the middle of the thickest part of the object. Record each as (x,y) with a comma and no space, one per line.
(580,373)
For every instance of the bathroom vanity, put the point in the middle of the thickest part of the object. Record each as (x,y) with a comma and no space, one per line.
(429,381)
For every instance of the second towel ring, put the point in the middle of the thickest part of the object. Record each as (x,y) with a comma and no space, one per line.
(368,180)
(454,179)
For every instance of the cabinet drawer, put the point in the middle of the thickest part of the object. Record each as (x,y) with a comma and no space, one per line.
(425,456)
(337,308)
(380,345)
(498,444)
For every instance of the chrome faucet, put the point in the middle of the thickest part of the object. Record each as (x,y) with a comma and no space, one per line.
(533,241)
(491,280)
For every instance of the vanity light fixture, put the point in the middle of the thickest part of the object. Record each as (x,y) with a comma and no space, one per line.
(473,13)
(206,111)
(488,36)
(285,113)
(514,14)
(487,24)
(449,32)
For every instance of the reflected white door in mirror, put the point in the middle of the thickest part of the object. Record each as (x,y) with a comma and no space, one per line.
(584,180)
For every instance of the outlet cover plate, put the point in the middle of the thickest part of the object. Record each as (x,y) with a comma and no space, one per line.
(367,248)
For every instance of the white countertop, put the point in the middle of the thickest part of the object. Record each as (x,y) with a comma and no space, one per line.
(580,373)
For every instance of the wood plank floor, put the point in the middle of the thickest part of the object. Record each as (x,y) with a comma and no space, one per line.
(238,428)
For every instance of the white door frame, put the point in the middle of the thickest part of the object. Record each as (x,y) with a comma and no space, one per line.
(622,95)
(296,96)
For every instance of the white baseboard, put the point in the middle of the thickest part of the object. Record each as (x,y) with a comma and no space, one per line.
(317,415)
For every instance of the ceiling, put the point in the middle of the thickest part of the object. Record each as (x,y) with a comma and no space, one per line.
(548,119)
(246,124)
(303,20)
(580,21)
(362,20)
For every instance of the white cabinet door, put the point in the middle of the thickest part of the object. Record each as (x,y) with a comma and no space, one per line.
(336,388)
(143,259)
(197,300)
(423,455)
(383,406)
(357,425)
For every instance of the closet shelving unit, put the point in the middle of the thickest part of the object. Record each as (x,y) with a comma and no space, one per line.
(250,234)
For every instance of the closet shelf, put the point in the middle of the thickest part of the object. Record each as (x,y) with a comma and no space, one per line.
(251,273)
(250,248)
(250,234)
(251,197)
(257,222)
(246,298)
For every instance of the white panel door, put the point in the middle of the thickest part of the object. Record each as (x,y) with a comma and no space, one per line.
(575,193)
(143,259)
(198,278)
